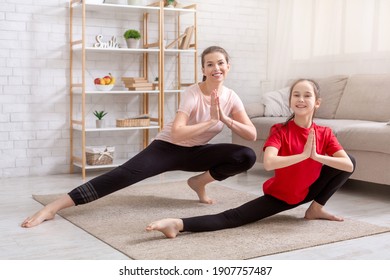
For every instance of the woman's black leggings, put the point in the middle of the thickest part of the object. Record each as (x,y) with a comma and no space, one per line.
(329,181)
(221,160)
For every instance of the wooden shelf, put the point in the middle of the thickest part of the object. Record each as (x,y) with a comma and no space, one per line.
(104,129)
(116,162)
(152,17)
(118,92)
(115,50)
(118,8)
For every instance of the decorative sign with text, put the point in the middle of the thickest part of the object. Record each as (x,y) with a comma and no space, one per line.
(110,44)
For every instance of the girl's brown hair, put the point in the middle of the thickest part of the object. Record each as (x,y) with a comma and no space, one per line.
(316,88)
(213,49)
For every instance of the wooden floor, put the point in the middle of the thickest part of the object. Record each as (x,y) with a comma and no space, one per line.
(59,239)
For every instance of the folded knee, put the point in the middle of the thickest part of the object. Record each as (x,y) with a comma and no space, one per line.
(247,157)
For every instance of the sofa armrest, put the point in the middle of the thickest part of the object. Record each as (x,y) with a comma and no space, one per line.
(255,109)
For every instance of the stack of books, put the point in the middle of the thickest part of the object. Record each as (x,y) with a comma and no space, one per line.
(137,83)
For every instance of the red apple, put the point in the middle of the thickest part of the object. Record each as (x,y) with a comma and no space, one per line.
(107,79)
(97,81)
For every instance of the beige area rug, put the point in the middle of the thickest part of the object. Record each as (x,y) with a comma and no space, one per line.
(120,219)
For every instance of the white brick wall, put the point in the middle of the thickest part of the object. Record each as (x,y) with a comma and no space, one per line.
(34,75)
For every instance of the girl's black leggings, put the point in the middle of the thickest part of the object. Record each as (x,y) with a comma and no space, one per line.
(329,181)
(221,160)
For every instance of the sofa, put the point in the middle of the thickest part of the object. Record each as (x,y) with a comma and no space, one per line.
(356,107)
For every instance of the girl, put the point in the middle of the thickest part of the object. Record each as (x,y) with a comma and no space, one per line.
(181,145)
(309,164)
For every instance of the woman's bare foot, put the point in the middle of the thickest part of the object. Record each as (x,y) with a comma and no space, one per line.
(317,211)
(48,212)
(198,184)
(169,227)
(43,215)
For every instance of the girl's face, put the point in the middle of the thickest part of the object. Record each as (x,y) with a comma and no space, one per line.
(303,100)
(215,67)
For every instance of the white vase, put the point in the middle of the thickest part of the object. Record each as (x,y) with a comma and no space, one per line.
(117,2)
(94,1)
(99,123)
(133,43)
(136,2)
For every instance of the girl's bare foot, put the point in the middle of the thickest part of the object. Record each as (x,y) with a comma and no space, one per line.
(48,212)
(198,184)
(317,211)
(169,227)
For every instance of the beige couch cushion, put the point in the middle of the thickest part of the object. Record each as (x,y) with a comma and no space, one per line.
(263,125)
(331,90)
(255,109)
(338,125)
(370,96)
(276,103)
(360,135)
(371,137)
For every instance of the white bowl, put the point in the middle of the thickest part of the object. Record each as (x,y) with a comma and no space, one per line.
(104,87)
(94,1)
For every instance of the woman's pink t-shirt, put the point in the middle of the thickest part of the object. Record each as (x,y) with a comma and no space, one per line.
(196,106)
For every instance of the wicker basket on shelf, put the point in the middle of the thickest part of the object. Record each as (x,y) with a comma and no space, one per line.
(143,120)
(99,155)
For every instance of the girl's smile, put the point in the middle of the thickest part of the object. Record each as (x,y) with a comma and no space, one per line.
(304,102)
(303,99)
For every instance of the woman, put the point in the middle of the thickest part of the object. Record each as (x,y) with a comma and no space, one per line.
(182,145)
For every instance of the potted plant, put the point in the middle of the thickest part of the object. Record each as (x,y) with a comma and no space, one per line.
(99,115)
(170,3)
(155,83)
(132,38)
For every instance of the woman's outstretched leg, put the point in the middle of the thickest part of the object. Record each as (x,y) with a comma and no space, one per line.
(146,164)
(48,212)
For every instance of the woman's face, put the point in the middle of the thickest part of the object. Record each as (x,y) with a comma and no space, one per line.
(303,100)
(215,67)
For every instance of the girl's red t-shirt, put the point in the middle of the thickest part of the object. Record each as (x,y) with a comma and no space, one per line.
(291,184)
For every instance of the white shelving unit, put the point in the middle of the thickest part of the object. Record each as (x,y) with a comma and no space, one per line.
(79,87)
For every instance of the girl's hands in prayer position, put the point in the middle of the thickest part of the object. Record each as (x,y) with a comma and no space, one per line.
(310,149)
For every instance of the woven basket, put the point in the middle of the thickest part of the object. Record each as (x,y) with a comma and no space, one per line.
(99,155)
(132,122)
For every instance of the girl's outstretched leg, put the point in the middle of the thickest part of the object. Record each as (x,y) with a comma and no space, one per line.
(198,184)
(169,227)
(48,212)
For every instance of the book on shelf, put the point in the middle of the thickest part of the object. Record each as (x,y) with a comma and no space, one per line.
(140,88)
(185,42)
(138,84)
(134,79)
